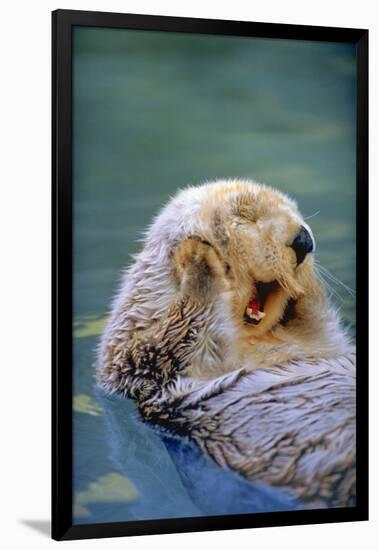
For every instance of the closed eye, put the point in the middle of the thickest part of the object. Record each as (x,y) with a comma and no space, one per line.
(242,221)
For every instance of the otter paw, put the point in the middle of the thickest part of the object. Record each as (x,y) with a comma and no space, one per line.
(198,268)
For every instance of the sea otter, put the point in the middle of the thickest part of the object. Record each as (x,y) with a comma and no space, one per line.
(222,332)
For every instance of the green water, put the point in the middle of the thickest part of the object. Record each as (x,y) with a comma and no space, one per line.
(154,112)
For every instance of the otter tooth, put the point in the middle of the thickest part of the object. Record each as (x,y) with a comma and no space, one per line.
(260,315)
(257,316)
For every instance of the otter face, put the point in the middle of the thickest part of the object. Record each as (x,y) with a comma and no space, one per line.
(267,247)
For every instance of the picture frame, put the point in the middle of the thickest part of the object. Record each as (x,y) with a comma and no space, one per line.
(63,23)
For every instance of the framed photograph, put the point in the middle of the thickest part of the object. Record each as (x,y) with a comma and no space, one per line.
(210,296)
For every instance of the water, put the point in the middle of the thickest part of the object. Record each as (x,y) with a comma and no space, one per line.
(154,112)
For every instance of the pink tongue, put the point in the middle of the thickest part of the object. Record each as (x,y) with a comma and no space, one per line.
(254,305)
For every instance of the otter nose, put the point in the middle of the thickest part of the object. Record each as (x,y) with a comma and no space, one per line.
(302,244)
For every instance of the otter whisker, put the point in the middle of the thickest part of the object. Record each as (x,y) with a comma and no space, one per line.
(312,215)
(350,290)
(330,289)
(334,279)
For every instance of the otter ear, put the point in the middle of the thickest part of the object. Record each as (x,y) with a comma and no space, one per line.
(198,269)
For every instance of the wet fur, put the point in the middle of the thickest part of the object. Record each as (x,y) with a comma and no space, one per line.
(176,342)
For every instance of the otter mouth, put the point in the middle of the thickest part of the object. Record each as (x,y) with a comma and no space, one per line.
(254,312)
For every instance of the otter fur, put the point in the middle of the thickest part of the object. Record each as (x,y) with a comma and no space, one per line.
(222,332)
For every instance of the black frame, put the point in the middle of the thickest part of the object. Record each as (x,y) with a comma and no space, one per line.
(62,23)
